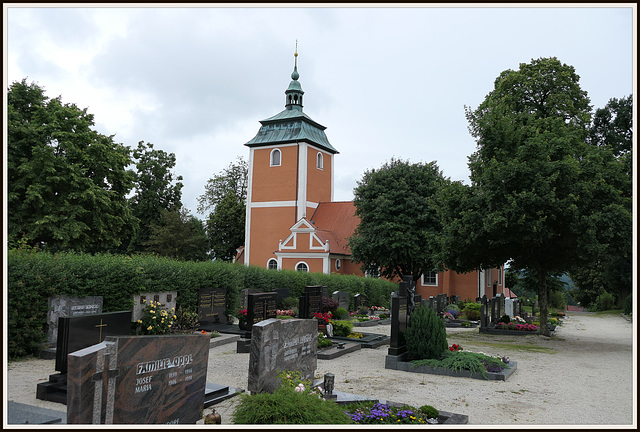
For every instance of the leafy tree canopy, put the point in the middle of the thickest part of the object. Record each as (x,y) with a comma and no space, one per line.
(232,179)
(537,198)
(179,235)
(67,183)
(398,227)
(225,227)
(225,197)
(610,268)
(156,189)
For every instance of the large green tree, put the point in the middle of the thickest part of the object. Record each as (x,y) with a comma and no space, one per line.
(536,198)
(611,267)
(178,235)
(225,232)
(67,183)
(398,227)
(225,199)
(156,189)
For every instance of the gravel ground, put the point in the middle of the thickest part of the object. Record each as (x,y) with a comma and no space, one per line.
(583,375)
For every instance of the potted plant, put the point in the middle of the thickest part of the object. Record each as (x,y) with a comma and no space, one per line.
(242,319)
(323,319)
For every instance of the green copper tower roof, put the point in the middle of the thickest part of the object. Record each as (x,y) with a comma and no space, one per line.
(292,125)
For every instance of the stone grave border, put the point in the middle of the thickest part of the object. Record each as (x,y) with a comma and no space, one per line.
(368,340)
(495,331)
(398,363)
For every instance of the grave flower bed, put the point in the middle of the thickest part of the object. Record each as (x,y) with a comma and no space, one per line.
(517,327)
(380,413)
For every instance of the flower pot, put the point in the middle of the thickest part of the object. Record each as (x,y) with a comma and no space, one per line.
(244,325)
(322,328)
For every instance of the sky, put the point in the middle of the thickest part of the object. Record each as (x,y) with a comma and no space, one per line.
(386,81)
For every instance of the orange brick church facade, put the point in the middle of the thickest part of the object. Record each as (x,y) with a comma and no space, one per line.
(292,221)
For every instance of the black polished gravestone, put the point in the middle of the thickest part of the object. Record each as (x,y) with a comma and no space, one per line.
(342,297)
(260,307)
(212,305)
(75,333)
(139,380)
(399,318)
(310,301)
(359,302)
(282,293)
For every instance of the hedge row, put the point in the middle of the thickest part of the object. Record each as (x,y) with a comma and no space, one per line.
(33,277)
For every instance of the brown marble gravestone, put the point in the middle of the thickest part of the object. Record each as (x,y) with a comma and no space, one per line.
(279,345)
(138,380)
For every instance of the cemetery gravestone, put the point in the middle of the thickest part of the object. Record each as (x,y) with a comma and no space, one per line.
(342,297)
(138,380)
(211,305)
(140,301)
(484,312)
(278,345)
(66,306)
(399,318)
(359,302)
(75,333)
(244,295)
(281,294)
(80,332)
(310,302)
(260,307)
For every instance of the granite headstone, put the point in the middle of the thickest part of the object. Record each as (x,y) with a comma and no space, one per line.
(279,345)
(138,380)
(66,306)
(342,297)
(166,298)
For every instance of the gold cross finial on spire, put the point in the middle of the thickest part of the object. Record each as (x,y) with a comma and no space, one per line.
(296,53)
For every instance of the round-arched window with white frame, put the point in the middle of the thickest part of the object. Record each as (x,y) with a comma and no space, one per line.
(320,161)
(302,267)
(272,264)
(276,157)
(338,264)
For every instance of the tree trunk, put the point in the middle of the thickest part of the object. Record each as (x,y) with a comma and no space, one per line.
(543,302)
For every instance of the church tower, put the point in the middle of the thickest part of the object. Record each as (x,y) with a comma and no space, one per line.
(290,173)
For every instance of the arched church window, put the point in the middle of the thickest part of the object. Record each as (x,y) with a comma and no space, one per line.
(320,161)
(272,264)
(302,267)
(276,157)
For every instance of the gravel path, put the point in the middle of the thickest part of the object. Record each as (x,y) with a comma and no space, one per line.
(583,375)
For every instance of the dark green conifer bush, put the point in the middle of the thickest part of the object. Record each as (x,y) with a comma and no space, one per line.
(426,335)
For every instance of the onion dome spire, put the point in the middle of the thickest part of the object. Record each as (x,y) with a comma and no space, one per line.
(294,92)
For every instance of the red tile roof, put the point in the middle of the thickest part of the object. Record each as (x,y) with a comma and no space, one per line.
(336,222)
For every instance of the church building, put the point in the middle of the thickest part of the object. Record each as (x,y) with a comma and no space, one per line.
(292,221)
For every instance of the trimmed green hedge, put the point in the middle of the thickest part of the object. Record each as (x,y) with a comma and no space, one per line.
(33,277)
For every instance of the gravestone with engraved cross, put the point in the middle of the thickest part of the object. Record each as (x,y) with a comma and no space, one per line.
(138,380)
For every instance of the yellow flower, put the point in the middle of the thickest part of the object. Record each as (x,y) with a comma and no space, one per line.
(175,317)
(139,321)
(149,328)
(153,317)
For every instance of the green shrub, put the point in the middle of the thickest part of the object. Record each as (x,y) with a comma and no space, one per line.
(465,361)
(290,303)
(426,335)
(323,341)
(288,406)
(628,305)
(505,319)
(341,314)
(472,311)
(342,328)
(34,276)
(429,411)
(605,301)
